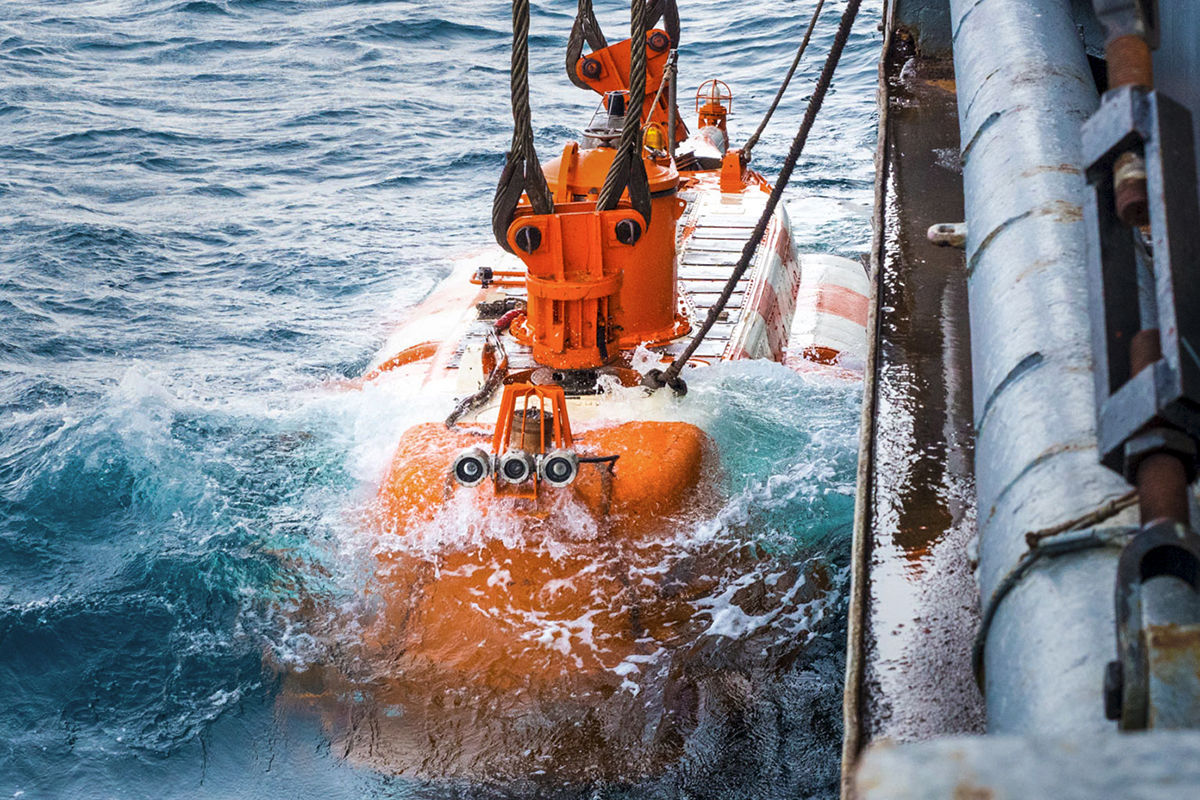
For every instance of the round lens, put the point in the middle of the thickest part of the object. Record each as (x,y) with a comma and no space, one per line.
(469,469)
(558,469)
(514,469)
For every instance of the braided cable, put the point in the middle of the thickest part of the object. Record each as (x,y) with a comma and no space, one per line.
(627,168)
(753,140)
(522,170)
(586,28)
(670,376)
(668,12)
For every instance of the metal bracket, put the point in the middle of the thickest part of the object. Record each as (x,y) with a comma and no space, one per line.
(1154,681)
(1129,18)
(1132,118)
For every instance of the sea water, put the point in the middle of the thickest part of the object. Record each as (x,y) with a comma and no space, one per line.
(212,211)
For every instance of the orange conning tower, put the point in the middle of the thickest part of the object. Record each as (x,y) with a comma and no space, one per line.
(598,281)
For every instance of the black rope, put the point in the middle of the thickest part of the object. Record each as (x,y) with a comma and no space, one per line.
(522,172)
(627,169)
(670,376)
(753,140)
(586,28)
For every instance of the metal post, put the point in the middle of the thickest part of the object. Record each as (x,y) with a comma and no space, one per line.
(1024,87)
(672,60)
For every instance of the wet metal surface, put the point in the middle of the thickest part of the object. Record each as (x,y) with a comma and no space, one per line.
(921,608)
(1140,766)
(1025,87)
(1174,669)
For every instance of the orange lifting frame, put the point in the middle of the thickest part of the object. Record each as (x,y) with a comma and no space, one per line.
(571,287)
(502,438)
(613,68)
(590,294)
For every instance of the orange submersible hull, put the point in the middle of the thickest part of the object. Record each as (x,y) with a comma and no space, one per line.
(532,608)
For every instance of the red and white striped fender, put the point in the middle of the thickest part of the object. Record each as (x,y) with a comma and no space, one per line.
(762,330)
(830,324)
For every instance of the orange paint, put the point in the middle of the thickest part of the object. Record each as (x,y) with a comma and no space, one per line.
(733,171)
(714,102)
(660,464)
(409,355)
(842,302)
(418,352)
(503,279)
(441,622)
(613,65)
(589,292)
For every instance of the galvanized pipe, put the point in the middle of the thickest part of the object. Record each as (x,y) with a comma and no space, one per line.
(1024,88)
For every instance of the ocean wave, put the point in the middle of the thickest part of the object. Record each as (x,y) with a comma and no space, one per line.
(214,205)
(200,7)
(425,30)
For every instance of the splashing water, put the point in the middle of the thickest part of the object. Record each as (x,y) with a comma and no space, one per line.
(212,208)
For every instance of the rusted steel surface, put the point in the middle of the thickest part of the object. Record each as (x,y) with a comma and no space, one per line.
(1162,478)
(1174,672)
(919,608)
(1129,62)
(1163,486)
(1140,766)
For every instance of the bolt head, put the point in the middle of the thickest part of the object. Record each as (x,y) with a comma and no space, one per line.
(628,231)
(528,238)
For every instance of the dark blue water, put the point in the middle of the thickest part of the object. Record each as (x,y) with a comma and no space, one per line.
(210,207)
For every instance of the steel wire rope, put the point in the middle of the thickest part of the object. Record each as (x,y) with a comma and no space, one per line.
(522,172)
(1072,536)
(787,79)
(668,12)
(627,169)
(655,379)
(586,27)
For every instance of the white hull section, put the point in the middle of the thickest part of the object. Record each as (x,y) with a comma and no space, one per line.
(804,312)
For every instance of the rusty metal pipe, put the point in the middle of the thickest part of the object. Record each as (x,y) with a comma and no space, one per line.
(1130,64)
(1162,489)
(1161,478)
(1144,349)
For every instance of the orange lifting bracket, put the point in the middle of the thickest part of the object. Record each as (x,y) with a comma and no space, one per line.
(607,70)
(575,272)
(733,171)
(597,281)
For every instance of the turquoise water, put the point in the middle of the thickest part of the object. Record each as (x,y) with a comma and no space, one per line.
(210,209)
